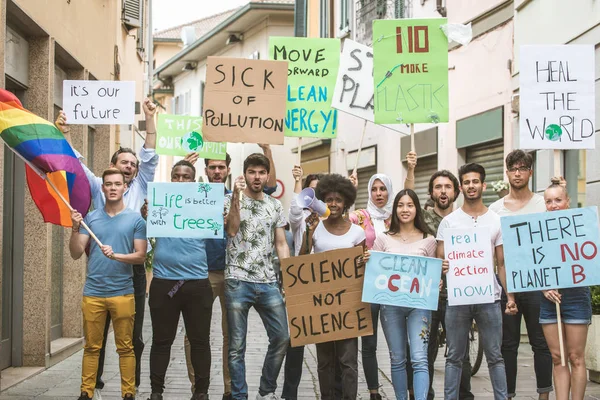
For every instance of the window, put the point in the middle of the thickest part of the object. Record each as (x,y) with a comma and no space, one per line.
(400,9)
(300,18)
(131,14)
(324,20)
(344,16)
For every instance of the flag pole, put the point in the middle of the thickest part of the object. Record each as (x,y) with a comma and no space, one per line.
(557,173)
(45,177)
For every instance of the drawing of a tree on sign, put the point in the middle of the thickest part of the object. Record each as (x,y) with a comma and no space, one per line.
(215,226)
(192,141)
(160,212)
(204,188)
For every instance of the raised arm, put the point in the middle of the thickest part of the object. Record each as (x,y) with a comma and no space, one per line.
(411,161)
(281,246)
(297,173)
(307,240)
(78,240)
(149,111)
(272,182)
(232,223)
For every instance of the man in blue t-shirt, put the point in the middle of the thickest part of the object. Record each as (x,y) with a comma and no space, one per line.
(180,286)
(109,285)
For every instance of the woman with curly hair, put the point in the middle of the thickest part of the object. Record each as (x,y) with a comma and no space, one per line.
(335,233)
(402,325)
(375,220)
(576,312)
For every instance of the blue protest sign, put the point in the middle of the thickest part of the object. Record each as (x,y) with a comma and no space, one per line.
(186,210)
(551,250)
(402,280)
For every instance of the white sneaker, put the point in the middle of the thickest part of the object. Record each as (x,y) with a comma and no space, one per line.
(97,394)
(268,396)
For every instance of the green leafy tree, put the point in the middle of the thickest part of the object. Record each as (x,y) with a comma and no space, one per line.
(204,188)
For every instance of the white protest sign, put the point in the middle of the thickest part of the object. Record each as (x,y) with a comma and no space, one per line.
(557,103)
(354,89)
(471,272)
(99,102)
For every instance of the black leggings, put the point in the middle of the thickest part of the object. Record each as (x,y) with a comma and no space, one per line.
(193,300)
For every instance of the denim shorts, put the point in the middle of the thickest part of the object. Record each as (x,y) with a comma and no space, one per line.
(575,307)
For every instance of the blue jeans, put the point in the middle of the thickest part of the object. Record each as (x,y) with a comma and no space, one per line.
(268,302)
(402,325)
(489,323)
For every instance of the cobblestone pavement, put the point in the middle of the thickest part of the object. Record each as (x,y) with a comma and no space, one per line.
(62,381)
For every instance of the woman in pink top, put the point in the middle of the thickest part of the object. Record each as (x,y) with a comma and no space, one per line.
(375,220)
(407,235)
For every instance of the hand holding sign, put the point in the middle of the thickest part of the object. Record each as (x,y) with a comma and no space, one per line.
(99,102)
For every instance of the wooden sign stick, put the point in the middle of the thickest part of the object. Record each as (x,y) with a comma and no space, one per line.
(557,172)
(362,138)
(412,137)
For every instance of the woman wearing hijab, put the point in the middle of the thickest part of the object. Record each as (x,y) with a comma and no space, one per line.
(375,220)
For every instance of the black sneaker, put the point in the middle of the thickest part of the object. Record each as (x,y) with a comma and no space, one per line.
(227,396)
(99,384)
(156,396)
(129,396)
(375,396)
(84,396)
(199,396)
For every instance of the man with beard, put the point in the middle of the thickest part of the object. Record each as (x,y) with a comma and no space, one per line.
(217,171)
(254,224)
(521,200)
(443,191)
(137,175)
(474,214)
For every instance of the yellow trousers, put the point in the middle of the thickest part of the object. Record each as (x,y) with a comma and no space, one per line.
(122,313)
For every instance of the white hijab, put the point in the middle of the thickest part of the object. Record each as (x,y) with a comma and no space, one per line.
(379,215)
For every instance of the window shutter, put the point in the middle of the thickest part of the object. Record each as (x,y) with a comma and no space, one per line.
(132,10)
(141,33)
(300,18)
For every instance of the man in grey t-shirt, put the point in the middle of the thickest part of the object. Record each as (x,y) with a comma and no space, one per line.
(521,200)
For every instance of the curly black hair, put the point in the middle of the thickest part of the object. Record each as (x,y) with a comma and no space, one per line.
(336,183)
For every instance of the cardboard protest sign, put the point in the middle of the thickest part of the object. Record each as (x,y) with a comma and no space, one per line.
(410,72)
(557,97)
(99,102)
(323,296)
(186,210)
(178,135)
(245,100)
(551,250)
(402,280)
(312,69)
(471,272)
(353,93)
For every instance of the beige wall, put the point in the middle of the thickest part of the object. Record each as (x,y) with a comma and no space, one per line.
(89,32)
(165,51)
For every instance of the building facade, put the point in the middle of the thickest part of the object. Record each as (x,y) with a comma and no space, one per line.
(40,47)
(242,33)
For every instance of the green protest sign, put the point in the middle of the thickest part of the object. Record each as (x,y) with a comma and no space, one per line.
(410,71)
(178,135)
(312,71)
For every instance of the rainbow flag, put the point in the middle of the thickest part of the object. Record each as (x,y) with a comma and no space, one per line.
(48,157)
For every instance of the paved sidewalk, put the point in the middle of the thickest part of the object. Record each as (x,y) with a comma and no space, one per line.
(63,380)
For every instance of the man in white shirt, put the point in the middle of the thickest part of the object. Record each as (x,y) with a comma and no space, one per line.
(474,214)
(521,200)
